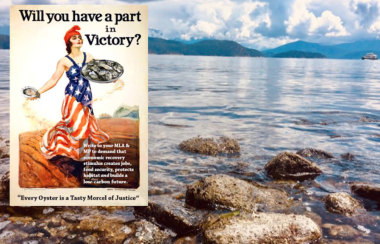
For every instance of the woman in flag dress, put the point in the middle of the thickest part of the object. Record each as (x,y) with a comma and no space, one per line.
(78,126)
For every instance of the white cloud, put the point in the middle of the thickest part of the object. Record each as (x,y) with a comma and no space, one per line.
(218,20)
(254,23)
(375,27)
(304,21)
(368,14)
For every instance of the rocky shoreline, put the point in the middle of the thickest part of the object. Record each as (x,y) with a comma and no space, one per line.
(219,208)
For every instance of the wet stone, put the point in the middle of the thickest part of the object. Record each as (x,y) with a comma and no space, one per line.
(341,231)
(354,241)
(368,119)
(262,228)
(11,237)
(47,211)
(4,151)
(90,240)
(367,191)
(314,153)
(291,166)
(210,146)
(146,232)
(108,228)
(343,203)
(303,122)
(70,217)
(348,156)
(4,187)
(20,220)
(30,242)
(186,240)
(223,191)
(4,224)
(172,213)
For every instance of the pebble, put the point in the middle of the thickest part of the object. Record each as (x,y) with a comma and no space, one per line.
(364,229)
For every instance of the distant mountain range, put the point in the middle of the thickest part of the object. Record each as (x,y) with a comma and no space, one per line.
(298,54)
(125,111)
(353,50)
(4,41)
(201,48)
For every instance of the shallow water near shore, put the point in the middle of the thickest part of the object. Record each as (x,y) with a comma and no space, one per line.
(269,106)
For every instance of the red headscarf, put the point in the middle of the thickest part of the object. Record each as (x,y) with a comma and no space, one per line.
(73,31)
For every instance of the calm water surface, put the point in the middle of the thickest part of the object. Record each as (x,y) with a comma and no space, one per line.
(269,106)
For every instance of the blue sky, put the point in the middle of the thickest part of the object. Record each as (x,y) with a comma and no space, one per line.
(257,24)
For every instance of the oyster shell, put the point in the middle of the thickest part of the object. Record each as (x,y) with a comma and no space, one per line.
(93,75)
(104,66)
(103,71)
(29,92)
(108,75)
(119,68)
(115,74)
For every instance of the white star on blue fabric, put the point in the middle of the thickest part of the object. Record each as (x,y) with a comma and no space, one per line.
(71,87)
(75,78)
(73,71)
(80,82)
(77,92)
(88,89)
(86,98)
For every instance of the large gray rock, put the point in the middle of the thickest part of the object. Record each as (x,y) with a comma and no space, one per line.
(366,191)
(209,146)
(226,191)
(263,228)
(291,166)
(316,153)
(172,213)
(343,203)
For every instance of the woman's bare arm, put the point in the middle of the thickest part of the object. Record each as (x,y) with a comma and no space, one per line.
(54,79)
(89,57)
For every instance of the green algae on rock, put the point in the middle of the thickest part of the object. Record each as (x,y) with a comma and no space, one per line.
(210,146)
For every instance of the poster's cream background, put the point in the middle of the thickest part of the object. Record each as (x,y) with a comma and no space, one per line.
(36,48)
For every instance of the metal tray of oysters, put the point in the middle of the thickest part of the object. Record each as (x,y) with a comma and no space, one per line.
(102,71)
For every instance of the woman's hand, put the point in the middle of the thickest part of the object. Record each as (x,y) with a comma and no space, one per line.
(38,95)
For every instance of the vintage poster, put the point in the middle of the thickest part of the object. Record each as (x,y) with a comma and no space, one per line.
(79,105)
